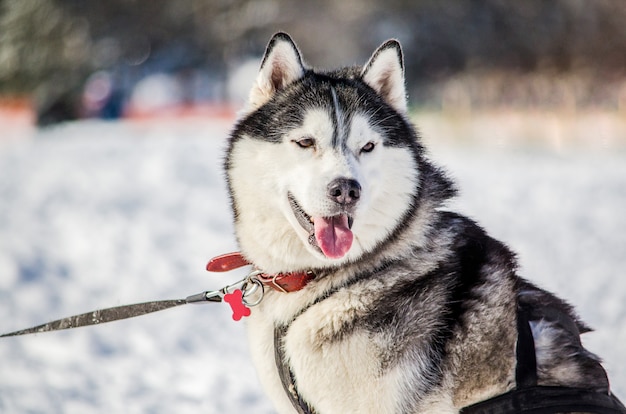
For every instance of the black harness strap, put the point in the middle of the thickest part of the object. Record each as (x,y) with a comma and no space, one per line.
(529,398)
(285,374)
(526,367)
(548,400)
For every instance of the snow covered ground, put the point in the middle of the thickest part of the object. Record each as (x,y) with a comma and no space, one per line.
(98,214)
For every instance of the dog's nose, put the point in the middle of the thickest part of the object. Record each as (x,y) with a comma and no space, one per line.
(344,191)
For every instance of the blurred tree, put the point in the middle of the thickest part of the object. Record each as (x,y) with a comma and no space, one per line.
(49,47)
(44,51)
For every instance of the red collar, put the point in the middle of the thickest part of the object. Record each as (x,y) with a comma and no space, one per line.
(282,282)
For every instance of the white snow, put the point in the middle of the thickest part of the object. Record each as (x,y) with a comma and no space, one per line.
(97,214)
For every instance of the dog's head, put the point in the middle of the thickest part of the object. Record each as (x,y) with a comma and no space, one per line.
(324,167)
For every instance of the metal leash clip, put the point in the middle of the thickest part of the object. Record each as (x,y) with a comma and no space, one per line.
(240,295)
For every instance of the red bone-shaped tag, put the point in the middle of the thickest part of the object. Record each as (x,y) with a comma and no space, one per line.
(235,300)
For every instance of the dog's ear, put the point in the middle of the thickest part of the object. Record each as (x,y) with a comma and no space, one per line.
(385,73)
(281,66)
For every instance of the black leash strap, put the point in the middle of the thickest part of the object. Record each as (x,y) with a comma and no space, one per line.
(101,316)
(239,295)
(130,311)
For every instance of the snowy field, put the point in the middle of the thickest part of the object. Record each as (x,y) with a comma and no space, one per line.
(96,214)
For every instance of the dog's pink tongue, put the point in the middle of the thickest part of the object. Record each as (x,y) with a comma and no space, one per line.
(333,235)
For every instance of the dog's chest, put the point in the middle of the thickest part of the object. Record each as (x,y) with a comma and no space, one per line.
(336,365)
(339,363)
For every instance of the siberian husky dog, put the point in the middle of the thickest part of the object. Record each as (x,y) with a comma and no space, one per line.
(405,307)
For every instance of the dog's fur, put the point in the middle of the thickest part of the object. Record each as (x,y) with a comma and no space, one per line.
(414,308)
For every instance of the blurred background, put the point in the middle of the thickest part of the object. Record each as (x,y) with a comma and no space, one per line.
(71,59)
(114,116)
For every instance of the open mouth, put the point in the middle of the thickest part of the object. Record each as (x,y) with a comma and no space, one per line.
(331,235)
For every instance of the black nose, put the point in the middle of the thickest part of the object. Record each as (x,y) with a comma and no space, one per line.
(344,191)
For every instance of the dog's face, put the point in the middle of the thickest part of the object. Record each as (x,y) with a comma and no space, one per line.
(323,168)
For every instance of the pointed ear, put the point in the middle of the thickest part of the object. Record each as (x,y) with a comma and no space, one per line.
(385,74)
(281,66)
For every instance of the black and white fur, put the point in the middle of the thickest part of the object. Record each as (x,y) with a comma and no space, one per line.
(419,315)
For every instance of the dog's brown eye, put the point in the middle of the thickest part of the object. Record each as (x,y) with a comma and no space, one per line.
(306,142)
(369,147)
